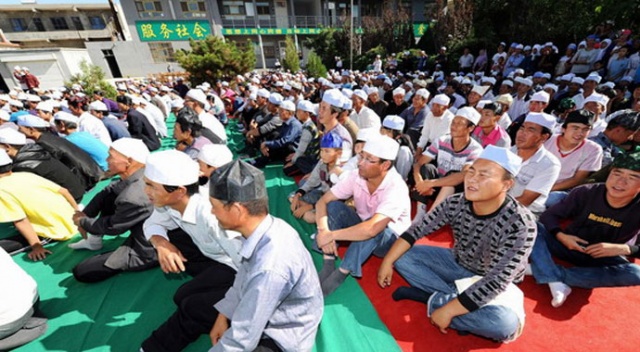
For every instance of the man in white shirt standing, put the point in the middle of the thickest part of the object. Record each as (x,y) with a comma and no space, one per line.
(362,115)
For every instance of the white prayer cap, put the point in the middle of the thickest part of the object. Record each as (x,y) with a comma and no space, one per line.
(347,92)
(138,101)
(399,91)
(393,122)
(5,97)
(98,106)
(28,120)
(347,104)
(423,93)
(408,84)
(541,96)
(171,168)
(65,116)
(608,85)
(568,77)
(276,99)
(466,81)
(177,104)
(526,81)
(542,119)
(215,155)
(4,158)
(165,89)
(361,94)
(577,80)
(333,97)
(546,75)
(4,115)
(482,103)
(364,134)
(262,92)
(598,98)
(470,114)
(11,136)
(507,82)
(121,86)
(153,89)
(279,84)
(197,95)
(480,90)
(286,87)
(33,98)
(288,105)
(551,86)
(441,99)
(382,146)
(371,90)
(594,77)
(307,106)
(132,148)
(45,106)
(503,157)
(488,80)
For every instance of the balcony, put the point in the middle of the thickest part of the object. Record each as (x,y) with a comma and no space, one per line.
(59,35)
(232,22)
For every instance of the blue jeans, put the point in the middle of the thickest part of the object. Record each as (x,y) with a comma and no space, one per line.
(341,216)
(555,197)
(435,270)
(588,273)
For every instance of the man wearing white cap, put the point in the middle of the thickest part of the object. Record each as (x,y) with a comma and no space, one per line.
(264,126)
(330,108)
(89,123)
(453,152)
(589,86)
(436,123)
(521,99)
(376,104)
(398,103)
(382,212)
(305,156)
(31,157)
(197,100)
(288,136)
(39,209)
(470,288)
(540,168)
(597,104)
(67,125)
(120,207)
(187,238)
(154,114)
(117,129)
(362,115)
(392,126)
(210,158)
(539,101)
(158,102)
(415,115)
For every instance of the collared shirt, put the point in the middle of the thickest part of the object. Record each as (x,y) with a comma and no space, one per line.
(537,174)
(434,127)
(158,119)
(276,292)
(365,118)
(202,226)
(211,122)
(95,127)
(609,150)
(585,157)
(390,199)
(414,119)
(117,129)
(449,160)
(289,135)
(498,137)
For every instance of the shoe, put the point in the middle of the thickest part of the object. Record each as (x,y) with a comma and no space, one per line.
(92,243)
(560,292)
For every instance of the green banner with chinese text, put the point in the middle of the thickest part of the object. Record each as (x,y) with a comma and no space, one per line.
(419,29)
(270,31)
(172,30)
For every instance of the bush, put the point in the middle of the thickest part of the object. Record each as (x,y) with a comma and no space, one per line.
(91,78)
(315,68)
(291,61)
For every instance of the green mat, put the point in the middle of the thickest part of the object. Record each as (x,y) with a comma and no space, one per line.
(118,314)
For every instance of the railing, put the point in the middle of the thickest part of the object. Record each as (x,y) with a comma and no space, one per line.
(286,21)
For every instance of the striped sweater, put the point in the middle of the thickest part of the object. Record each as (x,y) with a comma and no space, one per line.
(495,246)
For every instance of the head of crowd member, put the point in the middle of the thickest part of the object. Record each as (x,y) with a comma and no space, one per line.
(98,109)
(596,103)
(11,141)
(187,128)
(32,101)
(398,96)
(305,110)
(439,104)
(45,110)
(565,106)
(591,82)
(32,126)
(535,130)
(359,99)
(126,156)
(464,122)
(124,103)
(392,126)
(347,108)
(373,95)
(505,101)
(212,157)
(196,99)
(238,195)
(490,115)
(262,96)
(524,86)
(506,87)
(489,178)
(623,183)
(378,156)
(170,178)
(476,94)
(330,108)
(286,110)
(550,89)
(66,123)
(77,105)
(363,135)
(539,101)
(622,126)
(420,98)
(98,95)
(273,103)
(576,126)
(177,105)
(330,148)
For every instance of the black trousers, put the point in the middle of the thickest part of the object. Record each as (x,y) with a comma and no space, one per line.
(195,315)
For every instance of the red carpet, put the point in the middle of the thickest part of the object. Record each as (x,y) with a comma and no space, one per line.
(602,319)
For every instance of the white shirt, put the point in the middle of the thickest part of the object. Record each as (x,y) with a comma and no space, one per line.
(19,290)
(158,119)
(95,127)
(435,127)
(505,120)
(211,122)
(149,118)
(519,106)
(203,228)
(537,174)
(599,126)
(365,118)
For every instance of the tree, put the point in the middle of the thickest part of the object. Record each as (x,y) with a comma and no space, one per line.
(213,58)
(92,78)
(291,59)
(315,68)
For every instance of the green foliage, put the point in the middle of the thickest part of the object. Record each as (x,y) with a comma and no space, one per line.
(291,61)
(91,78)
(315,68)
(331,42)
(365,61)
(213,58)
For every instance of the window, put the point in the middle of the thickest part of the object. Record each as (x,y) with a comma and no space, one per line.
(263,8)
(97,22)
(18,24)
(162,52)
(77,24)
(37,21)
(148,9)
(269,50)
(233,8)
(59,23)
(193,8)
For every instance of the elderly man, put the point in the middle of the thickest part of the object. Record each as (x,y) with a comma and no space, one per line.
(329,110)
(436,123)
(539,101)
(601,235)
(382,213)
(121,206)
(117,129)
(362,115)
(597,104)
(398,103)
(376,104)
(470,287)
(414,116)
(275,303)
